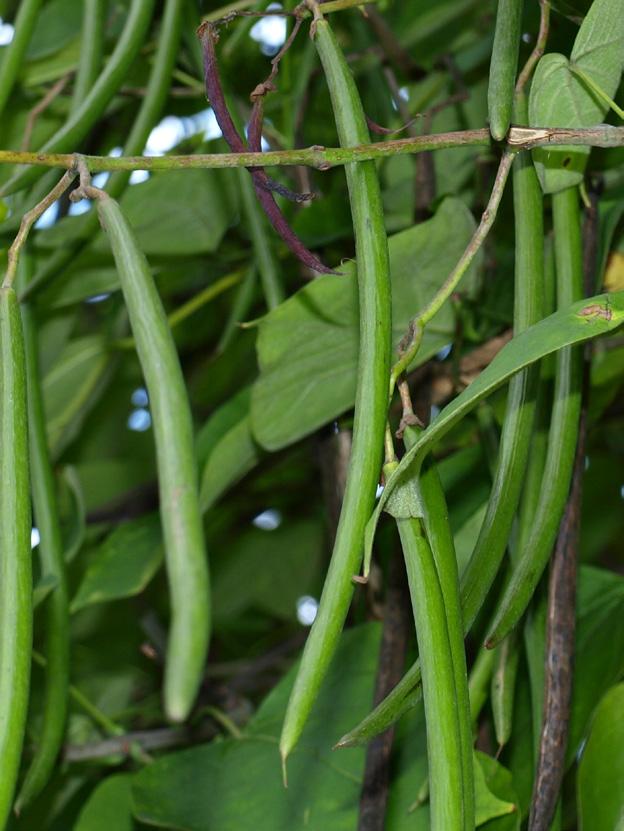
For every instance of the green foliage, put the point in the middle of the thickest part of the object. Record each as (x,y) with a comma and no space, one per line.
(269,375)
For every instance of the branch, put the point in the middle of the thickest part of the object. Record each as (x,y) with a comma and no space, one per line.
(324,158)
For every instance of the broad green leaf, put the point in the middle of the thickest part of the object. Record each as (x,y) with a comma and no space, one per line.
(220,422)
(58,22)
(234,455)
(43,587)
(78,284)
(580,322)
(600,781)
(178,213)
(124,563)
(235,785)
(495,799)
(54,66)
(109,806)
(560,98)
(269,570)
(307,347)
(599,650)
(71,385)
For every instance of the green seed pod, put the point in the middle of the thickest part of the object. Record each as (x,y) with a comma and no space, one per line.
(15,553)
(372,389)
(503,66)
(50,736)
(185,554)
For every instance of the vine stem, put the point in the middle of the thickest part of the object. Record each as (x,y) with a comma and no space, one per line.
(29,219)
(411,342)
(324,158)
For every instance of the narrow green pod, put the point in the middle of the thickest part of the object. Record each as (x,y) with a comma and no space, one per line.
(149,111)
(56,610)
(13,54)
(503,66)
(77,126)
(517,431)
(479,681)
(15,553)
(372,389)
(504,687)
(440,538)
(185,554)
(438,679)
(90,59)
(563,428)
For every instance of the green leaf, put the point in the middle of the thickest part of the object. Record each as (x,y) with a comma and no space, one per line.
(599,650)
(269,570)
(220,422)
(70,387)
(178,213)
(600,781)
(580,322)
(307,347)
(42,588)
(123,565)
(235,785)
(559,98)
(109,806)
(74,525)
(495,798)
(234,455)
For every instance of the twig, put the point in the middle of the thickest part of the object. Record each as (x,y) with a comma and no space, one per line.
(560,628)
(561,614)
(538,49)
(411,343)
(150,740)
(40,107)
(324,158)
(29,219)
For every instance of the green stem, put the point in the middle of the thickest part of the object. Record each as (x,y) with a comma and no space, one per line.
(13,54)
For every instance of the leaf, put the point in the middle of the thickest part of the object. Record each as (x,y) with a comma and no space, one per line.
(235,785)
(178,213)
(57,24)
(495,798)
(220,422)
(599,650)
(269,570)
(559,98)
(123,565)
(74,527)
(564,328)
(234,455)
(70,387)
(43,587)
(307,347)
(109,806)
(600,781)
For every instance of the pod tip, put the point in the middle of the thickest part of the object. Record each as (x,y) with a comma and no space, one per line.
(284,756)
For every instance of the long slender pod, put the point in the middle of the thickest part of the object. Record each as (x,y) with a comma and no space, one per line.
(503,687)
(503,66)
(14,53)
(517,431)
(479,681)
(90,60)
(185,553)
(50,736)
(73,131)
(372,389)
(515,438)
(438,679)
(563,427)
(440,539)
(151,108)
(15,553)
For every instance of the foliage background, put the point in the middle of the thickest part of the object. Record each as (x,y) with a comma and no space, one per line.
(271,403)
